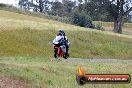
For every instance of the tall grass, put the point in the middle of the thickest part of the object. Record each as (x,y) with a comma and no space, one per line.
(11,8)
(26,52)
(84,44)
(41,72)
(22,35)
(110,24)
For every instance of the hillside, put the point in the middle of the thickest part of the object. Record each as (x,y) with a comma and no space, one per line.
(26,35)
(26,53)
(108,26)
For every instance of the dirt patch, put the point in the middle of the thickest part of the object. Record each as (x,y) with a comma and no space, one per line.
(7,82)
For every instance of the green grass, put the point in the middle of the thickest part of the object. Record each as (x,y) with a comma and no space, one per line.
(10,8)
(26,52)
(109,26)
(22,35)
(84,44)
(41,72)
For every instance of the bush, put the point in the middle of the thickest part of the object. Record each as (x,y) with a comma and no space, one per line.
(99,27)
(2,5)
(82,19)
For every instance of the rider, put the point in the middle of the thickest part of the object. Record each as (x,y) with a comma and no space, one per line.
(62,39)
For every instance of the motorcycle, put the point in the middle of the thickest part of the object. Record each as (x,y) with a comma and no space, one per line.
(60,51)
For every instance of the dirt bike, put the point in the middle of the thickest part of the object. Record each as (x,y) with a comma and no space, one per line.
(60,51)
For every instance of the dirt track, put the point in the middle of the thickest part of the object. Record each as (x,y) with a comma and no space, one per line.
(98,60)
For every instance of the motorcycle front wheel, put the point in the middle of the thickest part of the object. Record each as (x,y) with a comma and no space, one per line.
(55,53)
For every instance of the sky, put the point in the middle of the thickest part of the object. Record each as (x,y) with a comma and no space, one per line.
(11,2)
(14,2)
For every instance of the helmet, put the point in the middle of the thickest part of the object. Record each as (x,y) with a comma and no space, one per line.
(61,32)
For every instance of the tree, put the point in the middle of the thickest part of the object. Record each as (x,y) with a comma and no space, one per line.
(68,7)
(57,9)
(97,9)
(25,4)
(40,2)
(43,5)
(36,5)
(119,9)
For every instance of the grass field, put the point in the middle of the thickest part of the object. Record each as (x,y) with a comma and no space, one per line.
(27,35)
(26,52)
(41,72)
(108,26)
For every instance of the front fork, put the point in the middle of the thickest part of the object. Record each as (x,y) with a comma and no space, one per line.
(55,53)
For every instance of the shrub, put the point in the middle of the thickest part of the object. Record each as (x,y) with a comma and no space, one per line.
(2,5)
(99,27)
(82,19)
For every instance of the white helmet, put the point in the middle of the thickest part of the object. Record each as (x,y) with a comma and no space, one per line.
(61,31)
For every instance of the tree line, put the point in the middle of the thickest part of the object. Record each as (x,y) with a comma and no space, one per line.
(83,12)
